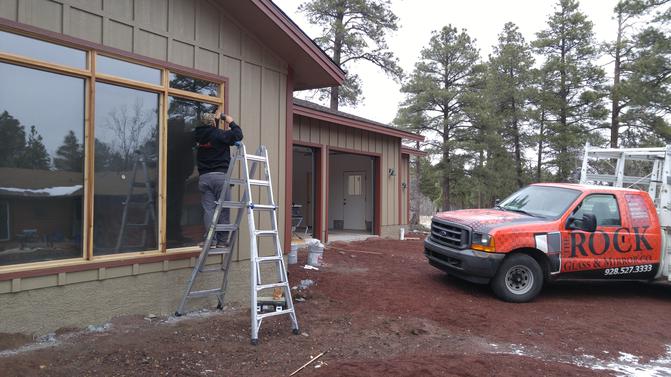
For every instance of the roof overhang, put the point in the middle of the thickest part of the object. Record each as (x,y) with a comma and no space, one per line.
(413,152)
(312,68)
(354,123)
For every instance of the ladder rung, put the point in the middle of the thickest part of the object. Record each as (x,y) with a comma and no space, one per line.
(254,157)
(264,207)
(137,225)
(258,182)
(236,181)
(212,269)
(225,227)
(233,205)
(219,251)
(271,314)
(265,232)
(272,285)
(205,293)
(265,259)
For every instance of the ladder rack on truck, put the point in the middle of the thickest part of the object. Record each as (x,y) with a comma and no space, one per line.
(649,170)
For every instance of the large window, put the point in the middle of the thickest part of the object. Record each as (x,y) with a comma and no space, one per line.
(184,222)
(96,153)
(126,175)
(41,164)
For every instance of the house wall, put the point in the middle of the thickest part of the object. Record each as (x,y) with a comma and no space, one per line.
(329,135)
(195,34)
(301,189)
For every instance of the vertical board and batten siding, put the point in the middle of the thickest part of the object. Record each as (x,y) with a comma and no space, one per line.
(404,174)
(196,34)
(315,131)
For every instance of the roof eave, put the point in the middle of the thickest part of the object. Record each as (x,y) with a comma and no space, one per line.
(333,118)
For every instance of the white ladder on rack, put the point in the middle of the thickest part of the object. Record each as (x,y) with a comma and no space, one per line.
(279,301)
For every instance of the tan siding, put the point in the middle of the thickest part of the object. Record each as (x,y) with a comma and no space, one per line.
(85,25)
(95,5)
(152,14)
(182,53)
(183,20)
(42,13)
(122,9)
(232,69)
(9,9)
(207,61)
(230,40)
(119,35)
(270,136)
(207,28)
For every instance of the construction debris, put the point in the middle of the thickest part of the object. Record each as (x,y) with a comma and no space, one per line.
(308,363)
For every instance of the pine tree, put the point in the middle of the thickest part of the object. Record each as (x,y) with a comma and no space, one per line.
(577,106)
(12,140)
(354,30)
(434,92)
(510,84)
(70,155)
(35,155)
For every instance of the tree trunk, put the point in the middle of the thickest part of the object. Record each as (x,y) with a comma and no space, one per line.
(563,111)
(337,50)
(540,147)
(447,164)
(615,91)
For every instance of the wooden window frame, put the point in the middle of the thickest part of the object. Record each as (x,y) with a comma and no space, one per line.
(90,76)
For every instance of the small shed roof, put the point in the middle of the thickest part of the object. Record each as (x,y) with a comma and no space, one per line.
(313,110)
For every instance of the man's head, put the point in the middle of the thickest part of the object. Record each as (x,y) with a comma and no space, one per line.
(208,119)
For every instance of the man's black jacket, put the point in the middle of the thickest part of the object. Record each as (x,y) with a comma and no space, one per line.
(214,152)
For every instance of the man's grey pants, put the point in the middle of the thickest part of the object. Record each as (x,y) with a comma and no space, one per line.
(210,186)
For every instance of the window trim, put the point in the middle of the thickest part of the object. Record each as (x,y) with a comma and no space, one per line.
(88,261)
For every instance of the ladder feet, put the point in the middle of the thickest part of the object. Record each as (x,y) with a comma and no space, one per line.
(220,307)
(296,331)
(255,342)
(178,314)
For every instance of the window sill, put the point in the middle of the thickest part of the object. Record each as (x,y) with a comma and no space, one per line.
(76,265)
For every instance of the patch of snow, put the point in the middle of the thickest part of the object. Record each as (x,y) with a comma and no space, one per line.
(99,328)
(47,191)
(630,365)
(44,341)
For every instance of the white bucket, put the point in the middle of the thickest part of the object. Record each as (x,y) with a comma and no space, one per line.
(402,234)
(293,254)
(315,254)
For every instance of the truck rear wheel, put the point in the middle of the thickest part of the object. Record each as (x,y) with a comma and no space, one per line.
(519,279)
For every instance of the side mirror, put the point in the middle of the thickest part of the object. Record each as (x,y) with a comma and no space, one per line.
(497,202)
(588,222)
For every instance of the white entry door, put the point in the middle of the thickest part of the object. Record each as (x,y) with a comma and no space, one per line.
(354,201)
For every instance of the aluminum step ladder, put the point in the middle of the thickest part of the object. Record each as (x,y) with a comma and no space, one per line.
(140,162)
(263,304)
(653,177)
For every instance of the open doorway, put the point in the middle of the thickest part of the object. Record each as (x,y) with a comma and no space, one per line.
(305,182)
(352,195)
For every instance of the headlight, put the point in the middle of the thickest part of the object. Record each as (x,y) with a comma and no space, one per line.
(483,242)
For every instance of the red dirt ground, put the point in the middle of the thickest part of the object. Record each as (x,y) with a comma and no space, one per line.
(377,309)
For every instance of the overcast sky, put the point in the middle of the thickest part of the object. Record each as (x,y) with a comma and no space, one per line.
(483,20)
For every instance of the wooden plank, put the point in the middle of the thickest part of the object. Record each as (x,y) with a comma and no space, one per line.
(28,62)
(103,77)
(196,96)
(89,170)
(163,164)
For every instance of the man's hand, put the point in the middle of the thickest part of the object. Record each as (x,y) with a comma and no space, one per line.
(228,119)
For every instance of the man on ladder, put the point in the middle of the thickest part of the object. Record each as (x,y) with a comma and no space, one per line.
(214,156)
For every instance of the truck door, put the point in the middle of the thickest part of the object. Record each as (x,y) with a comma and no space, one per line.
(588,252)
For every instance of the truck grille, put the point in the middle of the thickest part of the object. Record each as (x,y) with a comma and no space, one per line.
(450,234)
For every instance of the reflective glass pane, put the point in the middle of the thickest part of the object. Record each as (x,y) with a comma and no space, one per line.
(184,226)
(41,165)
(128,70)
(41,50)
(126,173)
(191,84)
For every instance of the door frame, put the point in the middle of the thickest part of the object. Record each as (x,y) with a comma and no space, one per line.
(318,176)
(376,180)
(364,192)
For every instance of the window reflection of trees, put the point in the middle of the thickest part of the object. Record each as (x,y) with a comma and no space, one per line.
(126,138)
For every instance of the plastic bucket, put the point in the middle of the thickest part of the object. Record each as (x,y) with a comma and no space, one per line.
(402,234)
(315,255)
(293,254)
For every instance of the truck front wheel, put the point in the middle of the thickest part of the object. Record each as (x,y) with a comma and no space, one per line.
(519,279)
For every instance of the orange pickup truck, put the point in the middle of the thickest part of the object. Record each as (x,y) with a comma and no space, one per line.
(550,232)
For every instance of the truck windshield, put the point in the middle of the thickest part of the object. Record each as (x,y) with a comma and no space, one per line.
(540,201)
